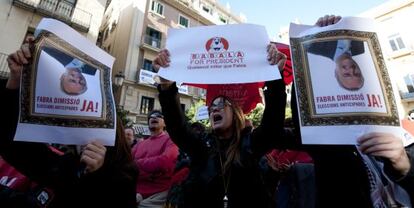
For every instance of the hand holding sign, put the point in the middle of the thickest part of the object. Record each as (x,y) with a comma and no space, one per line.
(327,20)
(388,146)
(162,60)
(16,61)
(93,156)
(274,56)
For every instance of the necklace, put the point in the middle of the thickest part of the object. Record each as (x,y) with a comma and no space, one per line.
(225,182)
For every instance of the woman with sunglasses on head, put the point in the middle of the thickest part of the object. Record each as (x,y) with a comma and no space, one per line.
(224,169)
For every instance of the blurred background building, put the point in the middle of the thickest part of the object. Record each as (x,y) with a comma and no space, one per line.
(19,18)
(397,42)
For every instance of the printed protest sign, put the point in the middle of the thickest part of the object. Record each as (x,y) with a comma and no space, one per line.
(148,77)
(225,54)
(247,95)
(66,95)
(202,113)
(342,84)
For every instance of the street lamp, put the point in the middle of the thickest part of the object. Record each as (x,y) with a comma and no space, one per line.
(118,81)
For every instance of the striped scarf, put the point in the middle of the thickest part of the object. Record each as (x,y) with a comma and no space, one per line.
(384,192)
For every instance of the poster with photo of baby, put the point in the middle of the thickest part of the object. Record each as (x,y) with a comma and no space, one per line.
(342,85)
(66,94)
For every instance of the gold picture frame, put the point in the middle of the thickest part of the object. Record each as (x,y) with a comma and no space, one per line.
(29,81)
(303,82)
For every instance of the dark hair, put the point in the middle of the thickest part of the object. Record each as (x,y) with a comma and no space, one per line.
(198,126)
(158,112)
(120,154)
(238,124)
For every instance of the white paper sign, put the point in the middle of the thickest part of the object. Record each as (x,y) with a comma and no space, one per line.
(141,129)
(147,77)
(183,89)
(342,84)
(66,94)
(219,55)
(202,113)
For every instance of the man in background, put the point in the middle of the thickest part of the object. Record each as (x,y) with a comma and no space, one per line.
(156,158)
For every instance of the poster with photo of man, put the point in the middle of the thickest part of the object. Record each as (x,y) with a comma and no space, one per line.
(66,94)
(344,77)
(65,85)
(342,85)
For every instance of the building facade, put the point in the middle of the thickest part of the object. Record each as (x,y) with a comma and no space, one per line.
(19,18)
(397,41)
(135,31)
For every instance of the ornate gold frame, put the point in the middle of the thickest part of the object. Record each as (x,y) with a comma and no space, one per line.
(304,85)
(27,97)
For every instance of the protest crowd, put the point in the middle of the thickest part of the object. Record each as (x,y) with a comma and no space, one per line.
(231,164)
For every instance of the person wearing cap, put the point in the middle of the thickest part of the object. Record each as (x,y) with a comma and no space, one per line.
(156,158)
(72,81)
(224,169)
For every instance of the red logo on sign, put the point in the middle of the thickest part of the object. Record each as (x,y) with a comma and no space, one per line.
(217,45)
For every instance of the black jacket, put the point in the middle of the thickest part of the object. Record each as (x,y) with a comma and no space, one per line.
(111,186)
(205,187)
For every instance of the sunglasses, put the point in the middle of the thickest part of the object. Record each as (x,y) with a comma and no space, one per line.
(156,115)
(218,105)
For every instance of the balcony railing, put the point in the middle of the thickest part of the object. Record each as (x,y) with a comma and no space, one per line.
(152,41)
(4,68)
(405,96)
(59,9)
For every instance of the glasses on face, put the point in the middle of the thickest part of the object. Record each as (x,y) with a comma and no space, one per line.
(156,115)
(219,105)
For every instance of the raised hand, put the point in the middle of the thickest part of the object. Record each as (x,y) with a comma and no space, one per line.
(327,20)
(16,61)
(162,60)
(274,56)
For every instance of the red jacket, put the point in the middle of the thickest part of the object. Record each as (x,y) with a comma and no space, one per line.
(156,157)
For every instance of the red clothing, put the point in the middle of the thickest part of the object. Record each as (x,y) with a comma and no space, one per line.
(180,176)
(408,125)
(15,180)
(12,178)
(156,157)
(36,195)
(286,157)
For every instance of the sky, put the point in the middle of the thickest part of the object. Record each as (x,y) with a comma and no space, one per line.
(274,14)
